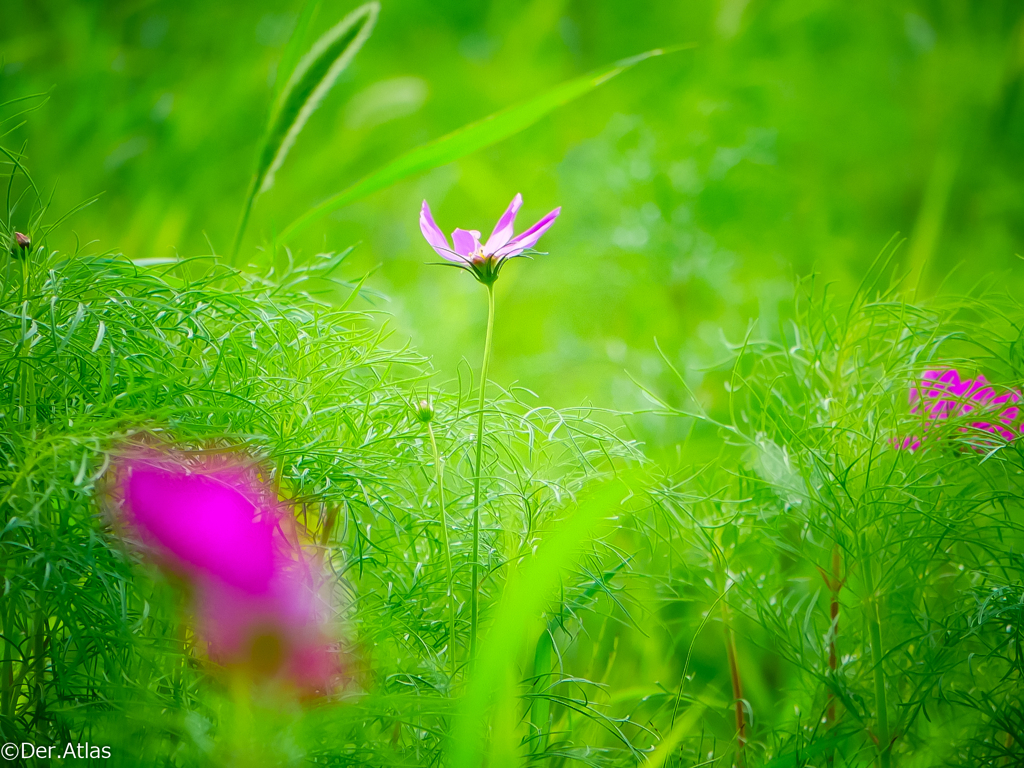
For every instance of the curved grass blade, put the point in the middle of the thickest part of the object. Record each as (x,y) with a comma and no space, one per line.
(314,76)
(293,50)
(468,139)
(525,598)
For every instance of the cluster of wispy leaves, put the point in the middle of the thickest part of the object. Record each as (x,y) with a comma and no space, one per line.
(811,505)
(100,354)
(626,641)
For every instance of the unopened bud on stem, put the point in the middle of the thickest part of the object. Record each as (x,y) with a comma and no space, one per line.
(22,241)
(425,411)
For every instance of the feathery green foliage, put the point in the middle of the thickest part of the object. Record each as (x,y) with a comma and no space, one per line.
(779,587)
(610,656)
(810,504)
(99,353)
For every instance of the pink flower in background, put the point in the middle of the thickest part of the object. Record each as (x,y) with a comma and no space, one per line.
(258,596)
(210,523)
(943,394)
(485,260)
(281,633)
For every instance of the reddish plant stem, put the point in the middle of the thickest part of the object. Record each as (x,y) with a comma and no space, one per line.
(835,584)
(328,517)
(737,685)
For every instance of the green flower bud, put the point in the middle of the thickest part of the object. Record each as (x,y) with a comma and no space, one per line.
(425,411)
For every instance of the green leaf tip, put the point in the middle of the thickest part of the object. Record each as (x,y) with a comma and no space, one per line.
(312,80)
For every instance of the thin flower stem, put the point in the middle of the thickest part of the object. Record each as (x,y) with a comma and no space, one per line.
(241,719)
(439,469)
(25,369)
(474,597)
(875,628)
(181,668)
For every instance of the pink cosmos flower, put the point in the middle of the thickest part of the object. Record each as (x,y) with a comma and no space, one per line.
(943,394)
(257,594)
(280,634)
(204,522)
(485,260)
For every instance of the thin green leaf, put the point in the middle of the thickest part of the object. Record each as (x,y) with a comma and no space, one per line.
(313,78)
(309,84)
(293,50)
(468,139)
(100,333)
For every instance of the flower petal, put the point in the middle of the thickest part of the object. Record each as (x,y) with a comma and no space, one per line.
(529,238)
(466,242)
(434,235)
(983,395)
(909,443)
(503,229)
(209,522)
(959,387)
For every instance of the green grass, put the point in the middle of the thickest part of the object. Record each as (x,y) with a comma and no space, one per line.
(713,557)
(598,642)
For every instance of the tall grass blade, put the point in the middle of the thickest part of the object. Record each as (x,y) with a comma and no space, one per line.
(314,76)
(525,598)
(468,139)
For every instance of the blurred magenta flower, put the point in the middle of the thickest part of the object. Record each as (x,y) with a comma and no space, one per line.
(257,594)
(207,522)
(485,260)
(281,633)
(943,394)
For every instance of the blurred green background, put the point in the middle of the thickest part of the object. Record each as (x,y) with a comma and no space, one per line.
(799,136)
